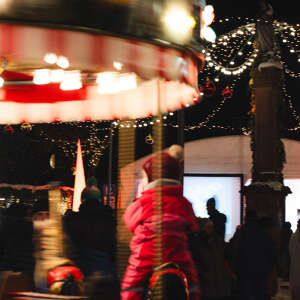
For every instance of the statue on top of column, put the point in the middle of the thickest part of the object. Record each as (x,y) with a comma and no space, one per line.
(265,37)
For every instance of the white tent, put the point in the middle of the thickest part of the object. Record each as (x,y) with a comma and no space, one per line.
(232,154)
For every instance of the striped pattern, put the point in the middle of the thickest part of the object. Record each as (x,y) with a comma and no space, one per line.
(87,104)
(25,47)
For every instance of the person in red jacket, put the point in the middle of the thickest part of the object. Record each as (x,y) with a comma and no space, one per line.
(178,221)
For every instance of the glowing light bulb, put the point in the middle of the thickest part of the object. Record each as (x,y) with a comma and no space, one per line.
(178,23)
(50,58)
(117,65)
(208,15)
(208,33)
(111,82)
(57,75)
(42,76)
(71,81)
(63,62)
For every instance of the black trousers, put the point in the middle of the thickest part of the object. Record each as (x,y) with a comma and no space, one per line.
(254,288)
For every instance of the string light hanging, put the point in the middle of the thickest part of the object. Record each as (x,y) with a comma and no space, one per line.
(92,147)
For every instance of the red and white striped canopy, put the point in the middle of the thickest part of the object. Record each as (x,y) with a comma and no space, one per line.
(166,73)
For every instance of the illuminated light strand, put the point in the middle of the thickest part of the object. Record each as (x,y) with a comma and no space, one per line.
(289,38)
(233,39)
(248,20)
(234,70)
(93,146)
(248,33)
(288,99)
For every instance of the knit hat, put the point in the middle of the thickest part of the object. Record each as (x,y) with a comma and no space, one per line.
(171,163)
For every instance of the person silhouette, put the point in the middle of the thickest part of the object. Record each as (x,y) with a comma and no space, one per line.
(218,219)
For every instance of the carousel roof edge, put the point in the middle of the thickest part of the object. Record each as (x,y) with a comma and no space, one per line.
(193,49)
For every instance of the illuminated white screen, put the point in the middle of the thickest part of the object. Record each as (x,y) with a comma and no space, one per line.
(226,191)
(292,203)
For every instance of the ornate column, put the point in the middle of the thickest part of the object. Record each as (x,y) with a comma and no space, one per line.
(266,193)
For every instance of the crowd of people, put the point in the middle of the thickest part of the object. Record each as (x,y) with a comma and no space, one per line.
(190,260)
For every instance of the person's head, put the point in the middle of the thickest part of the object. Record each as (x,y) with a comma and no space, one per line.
(211,205)
(40,210)
(91,191)
(171,164)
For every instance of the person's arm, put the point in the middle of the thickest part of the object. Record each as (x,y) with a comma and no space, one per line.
(133,215)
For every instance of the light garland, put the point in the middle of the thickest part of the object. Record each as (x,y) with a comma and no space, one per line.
(93,146)
(235,42)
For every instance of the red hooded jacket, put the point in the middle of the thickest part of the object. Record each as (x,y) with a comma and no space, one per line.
(178,220)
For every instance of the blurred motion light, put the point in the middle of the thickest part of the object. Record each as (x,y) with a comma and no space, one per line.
(179,23)
(209,34)
(71,81)
(111,82)
(42,76)
(50,58)
(127,82)
(63,62)
(117,65)
(1,82)
(107,83)
(208,15)
(57,75)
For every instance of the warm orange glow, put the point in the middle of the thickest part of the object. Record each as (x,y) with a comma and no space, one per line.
(79,179)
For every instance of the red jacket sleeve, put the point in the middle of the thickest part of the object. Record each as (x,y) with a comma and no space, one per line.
(133,215)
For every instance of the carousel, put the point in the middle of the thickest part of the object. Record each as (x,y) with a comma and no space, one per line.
(77,61)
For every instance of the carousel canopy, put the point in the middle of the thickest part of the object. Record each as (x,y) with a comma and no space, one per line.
(67,65)
(137,18)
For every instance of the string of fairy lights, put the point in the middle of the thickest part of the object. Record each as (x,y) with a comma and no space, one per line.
(93,146)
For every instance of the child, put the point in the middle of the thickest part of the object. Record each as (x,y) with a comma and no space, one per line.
(178,220)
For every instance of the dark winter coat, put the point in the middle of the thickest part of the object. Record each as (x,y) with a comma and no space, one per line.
(92,232)
(219,221)
(209,258)
(251,251)
(16,245)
